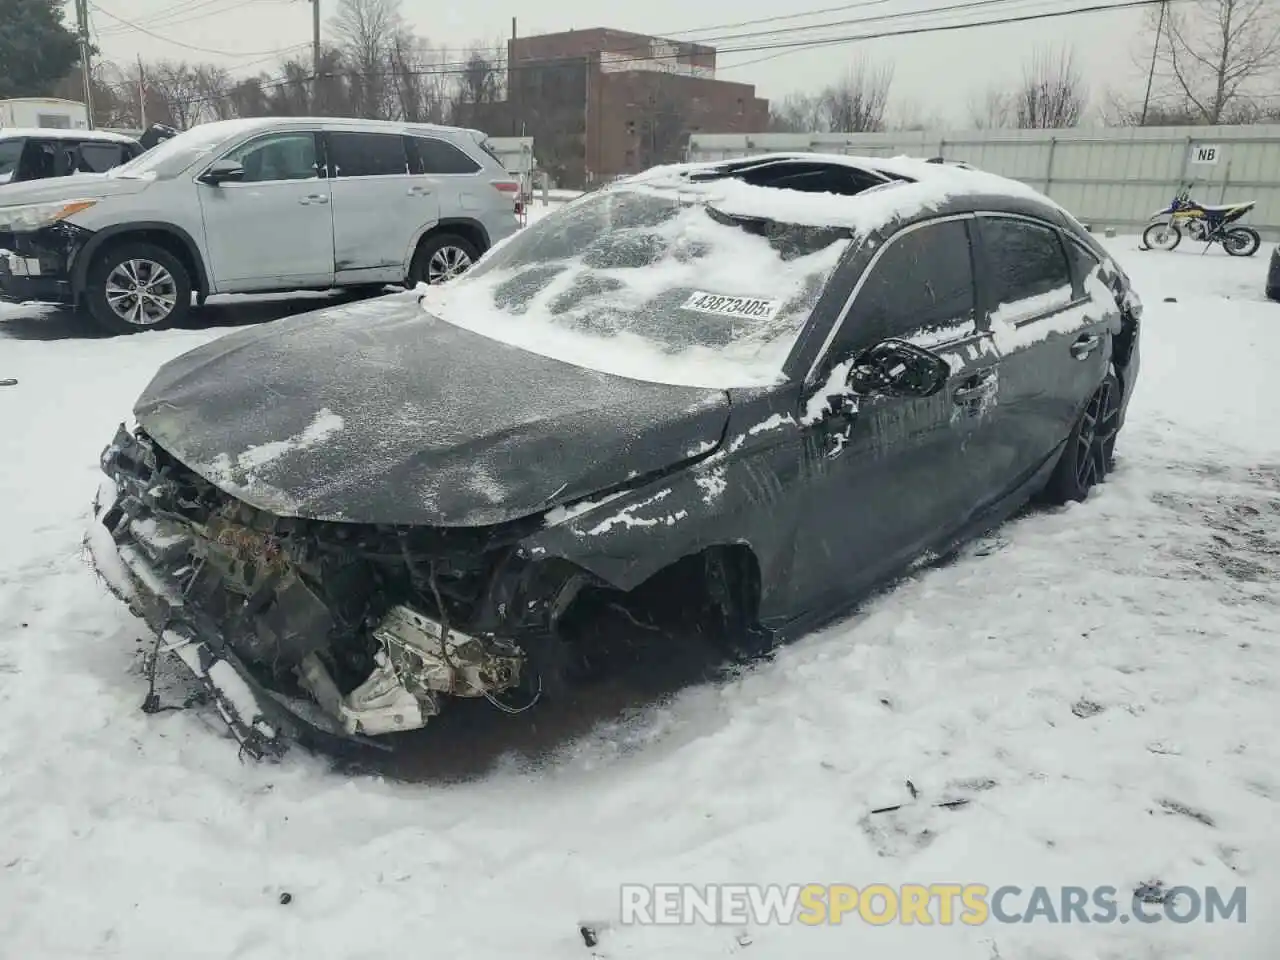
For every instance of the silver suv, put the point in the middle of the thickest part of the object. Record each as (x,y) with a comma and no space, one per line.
(249,206)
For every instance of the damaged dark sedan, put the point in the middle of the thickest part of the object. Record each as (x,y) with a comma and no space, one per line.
(729,398)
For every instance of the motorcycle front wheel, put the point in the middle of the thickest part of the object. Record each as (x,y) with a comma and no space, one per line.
(1241,242)
(1162,236)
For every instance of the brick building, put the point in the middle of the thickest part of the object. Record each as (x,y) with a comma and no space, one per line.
(601,102)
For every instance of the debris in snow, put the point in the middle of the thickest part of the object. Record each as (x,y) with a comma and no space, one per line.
(589,935)
(8,383)
(744,940)
(286,897)
(911,788)
(1086,708)
(1150,892)
(1173,806)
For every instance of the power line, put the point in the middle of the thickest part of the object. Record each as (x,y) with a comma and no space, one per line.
(186,13)
(445,69)
(179,43)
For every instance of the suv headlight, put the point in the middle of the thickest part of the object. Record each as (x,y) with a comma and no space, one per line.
(33,216)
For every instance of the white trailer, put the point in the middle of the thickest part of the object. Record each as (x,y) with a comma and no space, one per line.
(46,113)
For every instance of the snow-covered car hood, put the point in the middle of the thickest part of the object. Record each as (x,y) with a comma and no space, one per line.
(381,413)
(82,186)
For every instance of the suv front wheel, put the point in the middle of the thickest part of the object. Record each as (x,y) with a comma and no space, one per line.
(137,286)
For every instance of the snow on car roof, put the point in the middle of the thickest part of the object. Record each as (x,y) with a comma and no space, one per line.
(914,186)
(53,133)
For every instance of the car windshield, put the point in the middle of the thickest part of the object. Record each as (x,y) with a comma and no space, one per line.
(170,157)
(645,284)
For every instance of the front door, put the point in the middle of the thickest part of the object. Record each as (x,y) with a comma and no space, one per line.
(274,228)
(892,476)
(379,208)
(1051,333)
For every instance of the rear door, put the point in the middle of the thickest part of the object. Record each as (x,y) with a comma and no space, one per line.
(465,189)
(894,475)
(379,210)
(1052,337)
(272,230)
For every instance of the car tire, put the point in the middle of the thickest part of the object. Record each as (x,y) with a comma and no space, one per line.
(441,257)
(140,268)
(1089,454)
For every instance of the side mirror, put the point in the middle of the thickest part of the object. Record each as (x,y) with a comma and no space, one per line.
(896,368)
(223,171)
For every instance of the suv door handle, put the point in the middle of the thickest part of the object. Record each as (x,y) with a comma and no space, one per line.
(419,191)
(313,198)
(1084,346)
(975,388)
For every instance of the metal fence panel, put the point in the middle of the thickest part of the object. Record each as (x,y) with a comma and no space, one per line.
(1114,177)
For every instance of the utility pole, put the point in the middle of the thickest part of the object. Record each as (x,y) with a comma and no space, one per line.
(1151,74)
(142,96)
(86,69)
(315,56)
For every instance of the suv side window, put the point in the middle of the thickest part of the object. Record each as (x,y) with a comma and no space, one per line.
(278,156)
(367,155)
(1083,262)
(10,153)
(101,157)
(1028,265)
(39,161)
(429,155)
(923,279)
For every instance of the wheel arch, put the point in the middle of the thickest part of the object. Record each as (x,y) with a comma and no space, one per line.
(468,228)
(168,236)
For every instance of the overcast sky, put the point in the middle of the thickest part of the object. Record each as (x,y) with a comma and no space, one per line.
(938,74)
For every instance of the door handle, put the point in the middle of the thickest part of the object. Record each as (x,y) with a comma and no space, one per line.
(975,389)
(313,198)
(419,191)
(1085,346)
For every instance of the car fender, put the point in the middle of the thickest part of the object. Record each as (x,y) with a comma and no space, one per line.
(732,495)
(441,226)
(84,256)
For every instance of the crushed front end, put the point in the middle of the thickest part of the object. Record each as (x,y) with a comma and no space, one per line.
(295,627)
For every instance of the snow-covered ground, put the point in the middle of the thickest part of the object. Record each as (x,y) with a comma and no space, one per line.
(1100,682)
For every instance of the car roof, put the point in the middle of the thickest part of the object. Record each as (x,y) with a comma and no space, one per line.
(252,124)
(55,133)
(891,189)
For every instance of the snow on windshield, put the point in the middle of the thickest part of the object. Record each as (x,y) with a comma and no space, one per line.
(638,284)
(177,153)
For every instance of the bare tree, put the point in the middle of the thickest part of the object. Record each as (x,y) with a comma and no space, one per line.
(1052,94)
(367,31)
(910,115)
(176,89)
(992,110)
(1218,55)
(857,102)
(797,113)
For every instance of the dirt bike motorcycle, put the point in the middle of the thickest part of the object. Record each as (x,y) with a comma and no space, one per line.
(1207,223)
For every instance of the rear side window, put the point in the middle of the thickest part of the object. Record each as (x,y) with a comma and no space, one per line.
(428,155)
(1028,265)
(922,281)
(367,155)
(10,152)
(100,157)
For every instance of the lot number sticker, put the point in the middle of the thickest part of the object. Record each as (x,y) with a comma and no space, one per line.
(750,308)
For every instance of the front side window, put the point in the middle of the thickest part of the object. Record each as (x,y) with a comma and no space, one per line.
(10,153)
(367,155)
(645,283)
(1030,274)
(428,155)
(922,282)
(280,156)
(39,161)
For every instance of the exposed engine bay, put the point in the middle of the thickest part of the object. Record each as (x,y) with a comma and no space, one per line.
(354,629)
